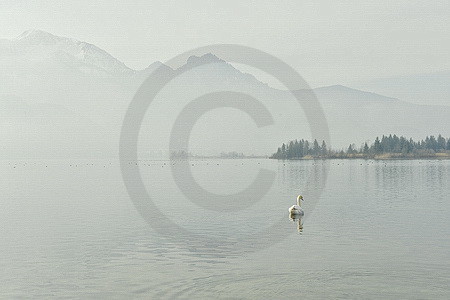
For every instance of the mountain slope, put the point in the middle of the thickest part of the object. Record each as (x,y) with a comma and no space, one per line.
(80,78)
(37,44)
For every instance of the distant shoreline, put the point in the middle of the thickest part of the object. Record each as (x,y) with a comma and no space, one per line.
(390,156)
(389,147)
(394,156)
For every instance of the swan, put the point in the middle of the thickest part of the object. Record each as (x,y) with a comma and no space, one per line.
(297,209)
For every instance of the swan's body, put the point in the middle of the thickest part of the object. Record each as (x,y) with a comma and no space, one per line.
(297,209)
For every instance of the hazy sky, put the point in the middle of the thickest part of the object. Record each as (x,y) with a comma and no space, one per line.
(328,42)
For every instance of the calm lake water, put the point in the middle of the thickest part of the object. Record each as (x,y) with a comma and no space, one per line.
(372,229)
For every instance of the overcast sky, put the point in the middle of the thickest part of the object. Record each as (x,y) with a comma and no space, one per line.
(328,42)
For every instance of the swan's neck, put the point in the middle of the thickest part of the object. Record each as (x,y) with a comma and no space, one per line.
(299,202)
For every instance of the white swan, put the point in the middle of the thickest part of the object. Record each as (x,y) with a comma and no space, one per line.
(297,209)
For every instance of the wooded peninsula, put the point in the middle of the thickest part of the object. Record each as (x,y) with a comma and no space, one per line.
(388,147)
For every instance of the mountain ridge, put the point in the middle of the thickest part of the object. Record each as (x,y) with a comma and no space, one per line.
(33,43)
(102,61)
(91,82)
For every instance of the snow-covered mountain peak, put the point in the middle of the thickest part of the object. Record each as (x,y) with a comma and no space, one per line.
(37,35)
(37,43)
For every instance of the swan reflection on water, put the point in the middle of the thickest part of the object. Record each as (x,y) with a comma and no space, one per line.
(297,219)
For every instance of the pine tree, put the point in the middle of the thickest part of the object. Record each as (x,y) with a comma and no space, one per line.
(377,146)
(324,150)
(387,144)
(290,150)
(300,148)
(440,143)
(316,148)
(350,149)
(306,149)
(366,148)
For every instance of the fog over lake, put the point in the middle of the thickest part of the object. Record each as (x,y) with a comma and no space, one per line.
(380,230)
(224,149)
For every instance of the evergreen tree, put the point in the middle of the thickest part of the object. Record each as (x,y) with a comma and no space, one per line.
(377,146)
(388,144)
(366,148)
(441,143)
(316,148)
(290,150)
(350,149)
(300,148)
(279,154)
(306,150)
(431,143)
(323,149)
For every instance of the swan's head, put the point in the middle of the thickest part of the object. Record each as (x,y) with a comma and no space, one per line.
(299,199)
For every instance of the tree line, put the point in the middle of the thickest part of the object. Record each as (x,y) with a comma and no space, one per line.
(386,147)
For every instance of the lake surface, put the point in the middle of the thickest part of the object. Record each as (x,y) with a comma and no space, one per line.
(372,229)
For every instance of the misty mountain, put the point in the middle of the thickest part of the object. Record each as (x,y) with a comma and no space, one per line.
(37,45)
(365,115)
(433,88)
(82,93)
